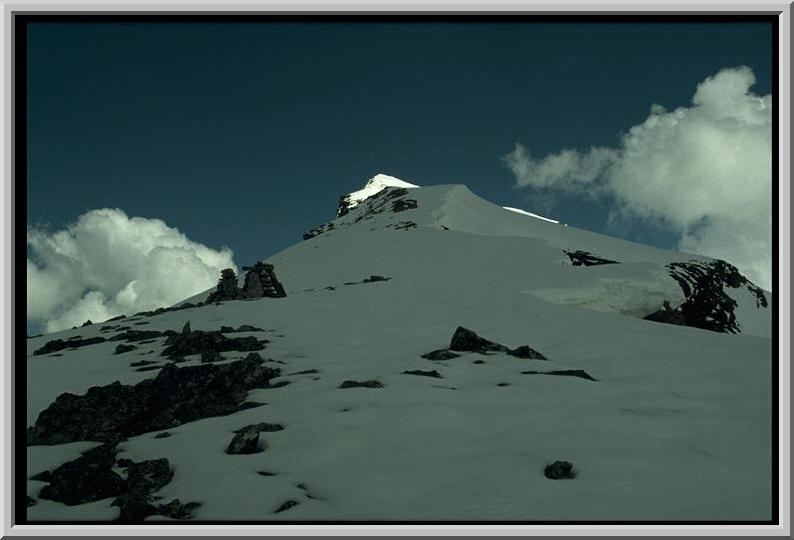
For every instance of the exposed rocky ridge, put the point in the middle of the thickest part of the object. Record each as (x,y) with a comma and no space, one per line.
(707,305)
(389,199)
(175,396)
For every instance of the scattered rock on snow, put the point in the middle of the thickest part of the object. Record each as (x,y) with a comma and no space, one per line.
(361,384)
(121,348)
(467,340)
(73,343)
(559,470)
(245,441)
(286,506)
(176,510)
(525,351)
(432,373)
(582,374)
(440,354)
(163,435)
(30,501)
(584,258)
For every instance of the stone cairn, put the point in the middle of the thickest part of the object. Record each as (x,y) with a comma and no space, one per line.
(260,282)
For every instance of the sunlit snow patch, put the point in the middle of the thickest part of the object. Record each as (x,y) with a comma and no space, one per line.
(530,214)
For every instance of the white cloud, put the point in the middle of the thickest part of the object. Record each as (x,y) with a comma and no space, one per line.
(705,170)
(108,264)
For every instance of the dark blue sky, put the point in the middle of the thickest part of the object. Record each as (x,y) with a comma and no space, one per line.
(245,134)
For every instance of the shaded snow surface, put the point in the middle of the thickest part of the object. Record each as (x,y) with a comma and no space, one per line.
(676,427)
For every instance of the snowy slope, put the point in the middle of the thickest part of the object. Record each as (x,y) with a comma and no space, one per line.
(676,426)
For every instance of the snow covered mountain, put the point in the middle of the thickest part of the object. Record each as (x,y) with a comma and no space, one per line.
(434,356)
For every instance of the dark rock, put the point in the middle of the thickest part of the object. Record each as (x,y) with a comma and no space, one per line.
(30,501)
(405,225)
(87,323)
(85,479)
(248,328)
(211,356)
(198,341)
(125,462)
(707,305)
(139,335)
(265,473)
(142,323)
(117,318)
(261,282)
(478,362)
(466,340)
(174,397)
(525,351)
(176,510)
(582,374)
(432,373)
(163,435)
(374,278)
(148,476)
(44,476)
(122,348)
(227,329)
(361,384)
(559,470)
(286,506)
(584,258)
(400,205)
(186,328)
(503,384)
(73,343)
(440,354)
(227,288)
(246,441)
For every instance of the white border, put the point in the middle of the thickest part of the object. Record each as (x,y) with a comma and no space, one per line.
(782,294)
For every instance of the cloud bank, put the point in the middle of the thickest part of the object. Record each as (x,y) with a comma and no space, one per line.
(108,264)
(703,170)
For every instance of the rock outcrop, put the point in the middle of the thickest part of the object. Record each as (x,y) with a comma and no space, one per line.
(174,397)
(707,305)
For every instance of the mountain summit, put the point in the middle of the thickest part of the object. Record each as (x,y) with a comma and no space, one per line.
(430,356)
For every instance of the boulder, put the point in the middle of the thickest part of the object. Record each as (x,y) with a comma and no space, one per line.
(467,340)
(559,470)
(245,441)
